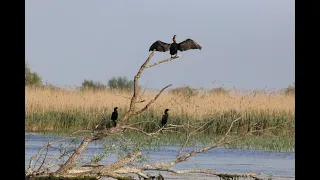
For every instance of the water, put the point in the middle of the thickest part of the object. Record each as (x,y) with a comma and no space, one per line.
(279,164)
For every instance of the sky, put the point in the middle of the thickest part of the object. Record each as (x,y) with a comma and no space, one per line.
(246,44)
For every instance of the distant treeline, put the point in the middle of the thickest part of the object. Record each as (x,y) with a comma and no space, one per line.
(124,84)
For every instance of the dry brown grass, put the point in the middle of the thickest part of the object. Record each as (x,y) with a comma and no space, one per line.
(48,109)
(203,103)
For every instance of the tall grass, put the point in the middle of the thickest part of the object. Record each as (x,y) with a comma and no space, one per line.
(50,109)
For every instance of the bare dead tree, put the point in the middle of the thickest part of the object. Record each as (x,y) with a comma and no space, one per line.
(105,132)
(99,134)
(120,167)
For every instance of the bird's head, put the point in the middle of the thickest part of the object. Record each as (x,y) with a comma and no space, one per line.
(165,111)
(115,109)
(174,38)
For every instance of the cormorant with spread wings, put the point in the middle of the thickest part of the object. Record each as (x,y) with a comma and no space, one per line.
(175,46)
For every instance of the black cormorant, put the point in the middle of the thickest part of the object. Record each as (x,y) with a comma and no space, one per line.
(165,117)
(114,116)
(175,46)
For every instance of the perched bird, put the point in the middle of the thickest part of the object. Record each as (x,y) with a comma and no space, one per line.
(175,46)
(165,117)
(114,116)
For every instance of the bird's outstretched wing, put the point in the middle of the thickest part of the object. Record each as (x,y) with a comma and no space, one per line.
(159,46)
(188,44)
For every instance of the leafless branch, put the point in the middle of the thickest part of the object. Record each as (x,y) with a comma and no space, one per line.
(156,132)
(189,134)
(140,96)
(136,83)
(219,143)
(153,100)
(123,96)
(198,132)
(44,156)
(119,164)
(227,133)
(163,61)
(48,145)
(140,122)
(139,130)
(187,139)
(140,101)
(184,145)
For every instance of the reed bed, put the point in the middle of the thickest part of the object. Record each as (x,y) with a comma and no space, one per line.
(50,109)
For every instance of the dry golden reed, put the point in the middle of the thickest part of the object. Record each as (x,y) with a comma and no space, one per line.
(46,99)
(42,100)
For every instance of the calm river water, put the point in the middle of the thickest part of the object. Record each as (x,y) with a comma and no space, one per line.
(279,164)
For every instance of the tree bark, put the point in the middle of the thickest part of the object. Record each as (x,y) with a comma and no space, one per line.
(71,161)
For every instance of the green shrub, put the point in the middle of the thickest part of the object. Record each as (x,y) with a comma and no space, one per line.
(95,85)
(219,90)
(121,83)
(31,78)
(183,91)
(290,90)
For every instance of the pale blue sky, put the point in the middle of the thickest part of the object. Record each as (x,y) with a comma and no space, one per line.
(247,44)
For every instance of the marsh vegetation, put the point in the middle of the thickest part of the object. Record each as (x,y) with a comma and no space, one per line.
(52,110)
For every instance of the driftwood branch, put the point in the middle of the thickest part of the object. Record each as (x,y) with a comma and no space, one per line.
(119,164)
(204,171)
(138,170)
